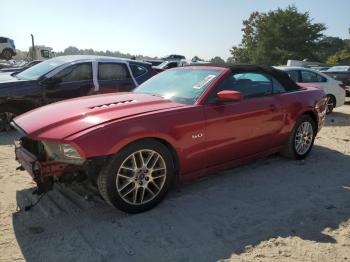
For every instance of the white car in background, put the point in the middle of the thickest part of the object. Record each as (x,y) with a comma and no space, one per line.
(334,89)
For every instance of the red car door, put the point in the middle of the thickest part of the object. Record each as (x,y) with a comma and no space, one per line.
(239,129)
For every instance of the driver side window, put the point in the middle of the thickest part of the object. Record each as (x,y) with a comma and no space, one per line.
(78,72)
(248,84)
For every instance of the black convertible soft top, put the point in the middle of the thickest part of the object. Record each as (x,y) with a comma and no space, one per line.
(279,75)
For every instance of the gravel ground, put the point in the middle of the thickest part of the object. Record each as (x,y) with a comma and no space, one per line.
(274,209)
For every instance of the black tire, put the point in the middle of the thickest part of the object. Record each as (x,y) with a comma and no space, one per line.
(7,54)
(330,104)
(7,113)
(107,179)
(290,150)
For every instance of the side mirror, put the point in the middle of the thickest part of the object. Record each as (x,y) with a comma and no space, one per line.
(229,95)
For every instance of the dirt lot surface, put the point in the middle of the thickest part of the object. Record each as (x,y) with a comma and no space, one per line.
(274,209)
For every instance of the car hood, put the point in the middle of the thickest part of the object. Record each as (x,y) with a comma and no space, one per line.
(63,119)
(11,86)
(10,69)
(6,77)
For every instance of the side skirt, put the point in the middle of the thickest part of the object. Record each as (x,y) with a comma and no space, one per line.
(228,165)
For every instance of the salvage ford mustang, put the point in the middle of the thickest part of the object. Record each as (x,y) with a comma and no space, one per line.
(183,123)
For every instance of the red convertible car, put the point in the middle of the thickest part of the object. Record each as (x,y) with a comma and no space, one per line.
(183,123)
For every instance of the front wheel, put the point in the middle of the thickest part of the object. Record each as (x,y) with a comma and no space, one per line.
(138,177)
(301,139)
(7,54)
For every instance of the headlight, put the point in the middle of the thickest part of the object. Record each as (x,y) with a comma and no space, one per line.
(69,151)
(63,153)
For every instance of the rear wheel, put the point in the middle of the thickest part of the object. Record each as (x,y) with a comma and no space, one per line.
(7,113)
(7,54)
(330,104)
(301,139)
(138,177)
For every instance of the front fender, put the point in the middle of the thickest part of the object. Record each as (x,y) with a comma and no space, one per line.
(106,140)
(175,127)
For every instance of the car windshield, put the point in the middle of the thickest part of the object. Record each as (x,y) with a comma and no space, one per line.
(179,85)
(339,68)
(36,71)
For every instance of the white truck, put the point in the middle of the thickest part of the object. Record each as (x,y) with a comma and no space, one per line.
(40,52)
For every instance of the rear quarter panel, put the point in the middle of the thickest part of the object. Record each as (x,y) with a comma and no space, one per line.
(308,100)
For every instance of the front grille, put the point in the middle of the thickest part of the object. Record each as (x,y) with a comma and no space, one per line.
(34,147)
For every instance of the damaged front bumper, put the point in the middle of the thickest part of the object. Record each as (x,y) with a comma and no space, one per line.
(38,169)
(34,158)
(42,172)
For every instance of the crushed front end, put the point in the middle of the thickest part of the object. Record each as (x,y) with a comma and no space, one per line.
(48,162)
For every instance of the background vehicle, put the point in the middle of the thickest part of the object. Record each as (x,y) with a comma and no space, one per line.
(18,69)
(154,62)
(40,52)
(340,73)
(67,77)
(169,64)
(335,90)
(173,57)
(184,122)
(320,68)
(7,48)
(339,69)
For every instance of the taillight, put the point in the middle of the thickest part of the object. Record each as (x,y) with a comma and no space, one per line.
(343,86)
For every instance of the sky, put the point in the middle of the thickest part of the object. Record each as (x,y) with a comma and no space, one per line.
(205,28)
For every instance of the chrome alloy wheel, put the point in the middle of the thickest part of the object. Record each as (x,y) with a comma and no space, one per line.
(303,138)
(141,177)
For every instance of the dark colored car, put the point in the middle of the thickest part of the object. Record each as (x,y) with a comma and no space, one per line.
(154,62)
(340,73)
(18,69)
(67,77)
(173,57)
(183,123)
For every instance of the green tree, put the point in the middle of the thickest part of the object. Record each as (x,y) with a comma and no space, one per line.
(244,52)
(274,37)
(217,60)
(328,46)
(196,59)
(338,57)
(72,50)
